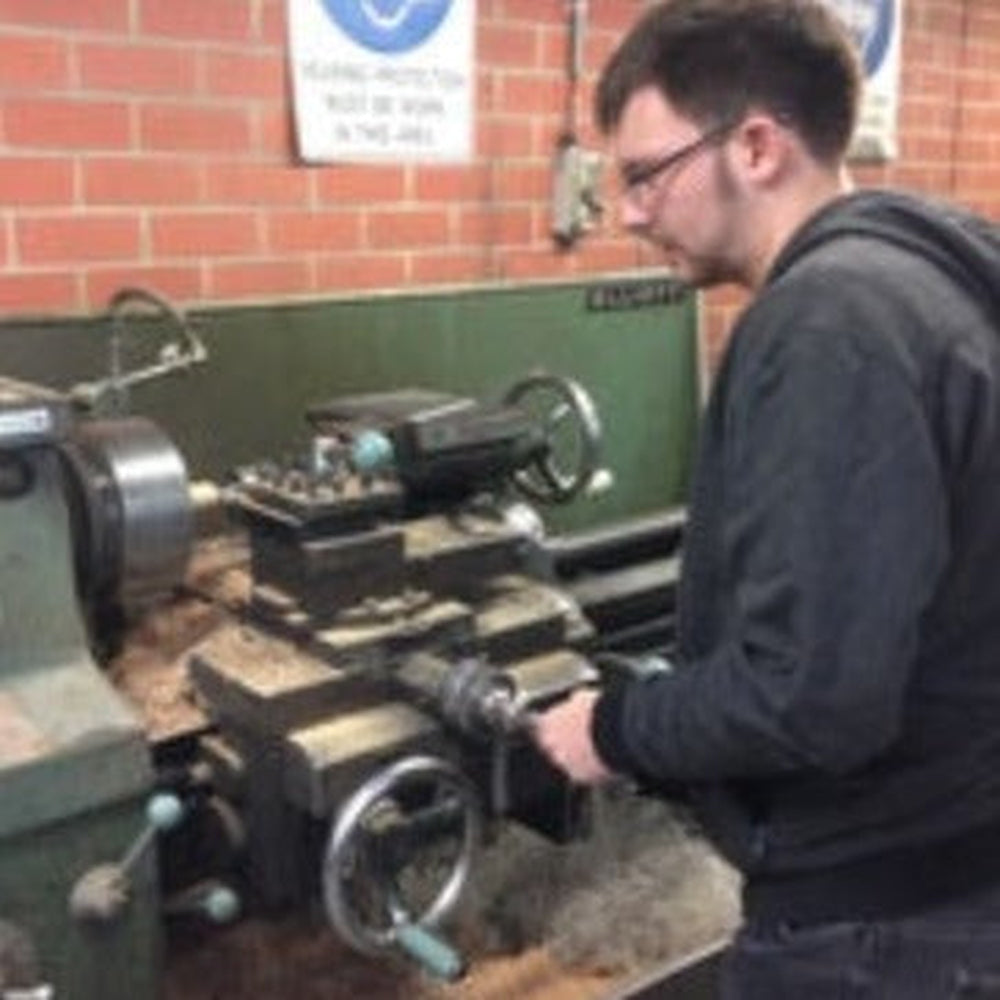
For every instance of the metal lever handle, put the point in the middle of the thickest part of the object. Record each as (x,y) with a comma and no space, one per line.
(211,899)
(102,892)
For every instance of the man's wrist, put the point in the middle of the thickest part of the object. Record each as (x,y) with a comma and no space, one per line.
(606,725)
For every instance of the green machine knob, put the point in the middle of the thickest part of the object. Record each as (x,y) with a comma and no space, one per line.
(164,811)
(221,905)
(371,451)
(430,951)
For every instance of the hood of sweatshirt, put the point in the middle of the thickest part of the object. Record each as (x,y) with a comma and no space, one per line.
(963,245)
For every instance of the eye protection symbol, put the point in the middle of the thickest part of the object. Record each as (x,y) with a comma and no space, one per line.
(388,25)
(871,24)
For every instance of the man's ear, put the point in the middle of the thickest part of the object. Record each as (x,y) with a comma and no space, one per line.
(763,147)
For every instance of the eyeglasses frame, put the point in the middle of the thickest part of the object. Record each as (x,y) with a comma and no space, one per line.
(644,173)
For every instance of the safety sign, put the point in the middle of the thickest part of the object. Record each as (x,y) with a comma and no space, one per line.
(383,80)
(876,27)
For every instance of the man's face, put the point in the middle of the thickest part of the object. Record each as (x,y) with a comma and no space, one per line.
(677,191)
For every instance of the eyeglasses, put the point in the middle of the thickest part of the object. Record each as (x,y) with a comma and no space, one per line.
(638,176)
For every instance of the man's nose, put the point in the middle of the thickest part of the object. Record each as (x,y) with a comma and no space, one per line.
(633,217)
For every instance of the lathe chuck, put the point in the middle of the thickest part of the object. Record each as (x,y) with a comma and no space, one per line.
(133,507)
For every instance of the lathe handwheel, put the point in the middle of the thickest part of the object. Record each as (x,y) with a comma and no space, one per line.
(416,802)
(571,450)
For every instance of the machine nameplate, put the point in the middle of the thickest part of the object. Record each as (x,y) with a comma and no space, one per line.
(616,296)
(18,423)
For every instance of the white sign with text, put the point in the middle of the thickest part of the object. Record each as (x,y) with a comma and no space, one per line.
(383,80)
(876,26)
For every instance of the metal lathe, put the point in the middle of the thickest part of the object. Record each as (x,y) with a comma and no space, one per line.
(366,707)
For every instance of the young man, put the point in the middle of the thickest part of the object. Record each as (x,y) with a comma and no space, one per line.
(834,711)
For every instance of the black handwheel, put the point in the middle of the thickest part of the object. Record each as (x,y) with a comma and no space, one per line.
(570,447)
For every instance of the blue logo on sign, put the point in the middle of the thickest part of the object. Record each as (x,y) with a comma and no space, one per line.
(388,25)
(871,23)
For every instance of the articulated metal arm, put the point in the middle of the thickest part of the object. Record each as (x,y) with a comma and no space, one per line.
(176,355)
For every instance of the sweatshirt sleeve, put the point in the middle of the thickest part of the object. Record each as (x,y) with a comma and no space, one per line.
(835,528)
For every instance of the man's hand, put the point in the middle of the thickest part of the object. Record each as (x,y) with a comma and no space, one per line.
(563,735)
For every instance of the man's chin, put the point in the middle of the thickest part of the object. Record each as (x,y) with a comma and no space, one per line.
(683,270)
(695,274)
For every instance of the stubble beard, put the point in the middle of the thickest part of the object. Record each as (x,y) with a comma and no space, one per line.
(718,263)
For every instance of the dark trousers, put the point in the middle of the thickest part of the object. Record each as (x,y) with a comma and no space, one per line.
(948,953)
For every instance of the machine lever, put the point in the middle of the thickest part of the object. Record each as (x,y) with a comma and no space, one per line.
(102,892)
(163,813)
(211,899)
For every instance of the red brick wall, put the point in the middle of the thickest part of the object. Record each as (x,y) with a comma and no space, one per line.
(150,141)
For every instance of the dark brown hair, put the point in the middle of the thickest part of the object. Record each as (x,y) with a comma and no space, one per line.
(714,60)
